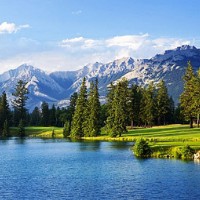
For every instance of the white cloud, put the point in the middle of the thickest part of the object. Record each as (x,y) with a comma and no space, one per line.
(129,41)
(80,42)
(136,46)
(77,12)
(6,27)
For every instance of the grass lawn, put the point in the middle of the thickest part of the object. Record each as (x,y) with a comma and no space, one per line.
(43,132)
(162,136)
(165,136)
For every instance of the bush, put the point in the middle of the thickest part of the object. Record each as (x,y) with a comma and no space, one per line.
(176,152)
(53,133)
(142,149)
(67,129)
(187,152)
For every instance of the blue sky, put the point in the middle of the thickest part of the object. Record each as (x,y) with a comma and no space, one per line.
(67,34)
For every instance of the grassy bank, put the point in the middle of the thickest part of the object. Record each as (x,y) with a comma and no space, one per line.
(159,137)
(40,132)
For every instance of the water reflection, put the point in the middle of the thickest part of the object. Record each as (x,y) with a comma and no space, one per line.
(197,161)
(4,141)
(90,146)
(19,140)
(120,145)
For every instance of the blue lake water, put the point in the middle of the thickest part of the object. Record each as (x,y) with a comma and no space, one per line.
(59,169)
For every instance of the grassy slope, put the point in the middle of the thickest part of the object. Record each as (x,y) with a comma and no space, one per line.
(170,135)
(43,132)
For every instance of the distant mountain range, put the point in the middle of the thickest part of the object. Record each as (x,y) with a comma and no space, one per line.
(57,87)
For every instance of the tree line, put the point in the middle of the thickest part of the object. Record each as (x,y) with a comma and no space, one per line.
(126,106)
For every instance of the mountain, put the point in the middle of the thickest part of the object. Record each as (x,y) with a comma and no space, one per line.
(169,66)
(57,87)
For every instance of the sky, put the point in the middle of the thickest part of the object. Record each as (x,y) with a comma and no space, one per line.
(68,34)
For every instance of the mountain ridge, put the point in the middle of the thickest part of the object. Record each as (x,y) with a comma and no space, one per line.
(57,86)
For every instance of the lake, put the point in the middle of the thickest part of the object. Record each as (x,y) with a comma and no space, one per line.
(60,169)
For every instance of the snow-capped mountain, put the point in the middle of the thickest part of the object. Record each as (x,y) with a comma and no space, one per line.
(57,87)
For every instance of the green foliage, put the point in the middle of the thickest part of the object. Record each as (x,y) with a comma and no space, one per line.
(52,116)
(134,104)
(176,152)
(35,117)
(78,117)
(142,149)
(92,113)
(118,109)
(6,129)
(72,106)
(4,113)
(148,105)
(45,114)
(188,98)
(21,129)
(66,129)
(162,102)
(53,133)
(19,103)
(187,152)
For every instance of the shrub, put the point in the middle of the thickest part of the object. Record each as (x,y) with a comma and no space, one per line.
(66,130)
(187,152)
(176,152)
(142,149)
(53,133)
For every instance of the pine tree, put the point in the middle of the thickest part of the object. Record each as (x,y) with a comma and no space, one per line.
(78,118)
(6,129)
(134,104)
(71,109)
(45,114)
(188,98)
(148,105)
(19,103)
(110,109)
(196,96)
(120,110)
(52,116)
(66,129)
(35,117)
(4,111)
(162,102)
(92,113)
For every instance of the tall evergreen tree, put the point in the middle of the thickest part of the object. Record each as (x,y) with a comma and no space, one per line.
(6,129)
(45,114)
(196,96)
(119,108)
(19,103)
(35,117)
(188,98)
(162,102)
(148,105)
(92,115)
(110,109)
(70,111)
(4,111)
(134,104)
(78,117)
(52,116)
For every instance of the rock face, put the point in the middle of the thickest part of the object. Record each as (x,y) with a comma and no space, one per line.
(57,87)
(197,155)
